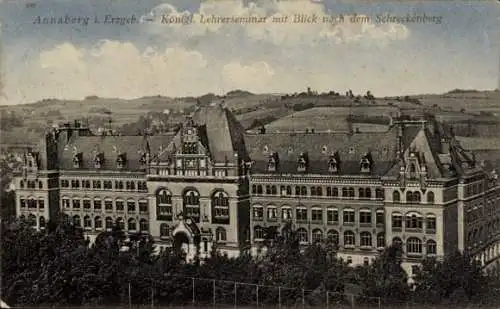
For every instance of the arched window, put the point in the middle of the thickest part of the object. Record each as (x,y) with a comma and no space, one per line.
(131,208)
(109,223)
(258,212)
(258,233)
(430,197)
(32,220)
(143,225)
(413,220)
(319,191)
(76,221)
(121,223)
(274,191)
(366,239)
(220,207)
(97,223)
(335,191)
(417,197)
(21,184)
(288,190)
(379,193)
(381,240)
(317,235)
(164,230)
(302,234)
(349,239)
(303,191)
(164,205)
(351,192)
(396,196)
(87,222)
(430,223)
(368,193)
(132,224)
(345,192)
(409,196)
(191,201)
(333,236)
(361,192)
(119,204)
(259,189)
(286,213)
(41,222)
(414,246)
(221,234)
(431,247)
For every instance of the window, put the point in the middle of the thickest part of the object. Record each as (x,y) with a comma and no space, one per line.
(348,216)
(365,216)
(32,220)
(191,201)
(143,206)
(317,215)
(76,204)
(381,240)
(316,191)
(317,236)
(258,233)
(64,183)
(220,207)
(430,224)
(302,234)
(332,216)
(22,202)
(32,203)
(286,213)
(41,222)
(164,230)
(366,239)
(86,204)
(75,183)
(221,234)
(109,223)
(164,205)
(397,221)
(41,203)
(108,184)
(413,196)
(108,204)
(379,193)
(65,203)
(272,213)
(431,247)
(131,206)
(349,260)
(258,212)
(333,236)
(98,223)
(303,191)
(396,196)
(118,185)
(96,184)
(430,197)
(366,261)
(120,205)
(351,192)
(40,185)
(97,204)
(349,239)
(87,223)
(121,223)
(396,241)
(86,184)
(143,225)
(301,214)
(380,217)
(132,224)
(414,246)
(21,184)
(76,221)
(413,221)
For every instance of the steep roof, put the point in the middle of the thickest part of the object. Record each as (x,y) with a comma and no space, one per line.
(223,133)
(350,149)
(111,146)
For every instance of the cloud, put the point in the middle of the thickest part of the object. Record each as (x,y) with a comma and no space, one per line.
(289,32)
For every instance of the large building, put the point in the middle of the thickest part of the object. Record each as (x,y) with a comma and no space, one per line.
(211,183)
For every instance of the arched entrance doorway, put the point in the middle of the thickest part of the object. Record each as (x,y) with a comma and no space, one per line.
(181,242)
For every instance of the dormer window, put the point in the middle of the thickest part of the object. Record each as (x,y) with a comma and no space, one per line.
(32,160)
(121,160)
(99,160)
(366,163)
(303,162)
(273,163)
(77,160)
(144,159)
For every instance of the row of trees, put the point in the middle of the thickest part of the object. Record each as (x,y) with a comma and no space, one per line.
(58,266)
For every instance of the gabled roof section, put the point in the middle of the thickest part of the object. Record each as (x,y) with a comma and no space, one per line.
(110,146)
(224,134)
(350,149)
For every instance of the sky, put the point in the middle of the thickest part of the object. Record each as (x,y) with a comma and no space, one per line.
(457,47)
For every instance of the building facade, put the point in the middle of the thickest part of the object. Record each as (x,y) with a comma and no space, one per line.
(211,184)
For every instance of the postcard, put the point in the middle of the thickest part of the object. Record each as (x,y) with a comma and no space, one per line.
(255,154)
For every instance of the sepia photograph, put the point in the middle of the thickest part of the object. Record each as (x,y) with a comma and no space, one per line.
(282,154)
